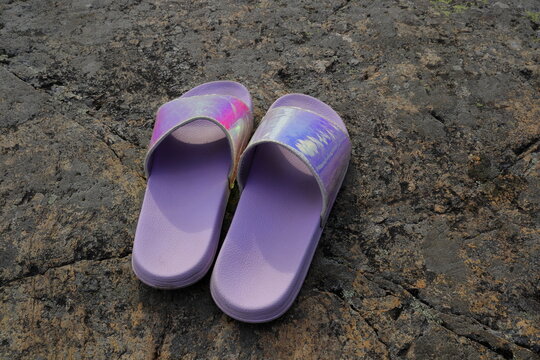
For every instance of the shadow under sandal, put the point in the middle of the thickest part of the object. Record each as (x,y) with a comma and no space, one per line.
(289,176)
(191,162)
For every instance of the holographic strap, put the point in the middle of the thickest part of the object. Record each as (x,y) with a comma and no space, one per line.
(322,145)
(231,114)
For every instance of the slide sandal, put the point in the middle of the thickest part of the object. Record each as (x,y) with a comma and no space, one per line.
(289,176)
(190,165)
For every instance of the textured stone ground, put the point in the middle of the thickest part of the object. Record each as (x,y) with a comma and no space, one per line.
(433,247)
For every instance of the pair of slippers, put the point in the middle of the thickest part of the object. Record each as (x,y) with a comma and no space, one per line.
(288,173)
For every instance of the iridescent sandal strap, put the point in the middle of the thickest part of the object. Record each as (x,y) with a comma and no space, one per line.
(321,144)
(231,114)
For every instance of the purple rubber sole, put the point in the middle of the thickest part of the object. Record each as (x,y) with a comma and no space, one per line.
(273,236)
(182,212)
(180,220)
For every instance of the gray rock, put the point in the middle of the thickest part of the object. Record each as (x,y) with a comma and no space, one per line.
(501,5)
(431,250)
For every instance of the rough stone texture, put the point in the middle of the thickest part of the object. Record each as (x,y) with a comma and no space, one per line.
(432,249)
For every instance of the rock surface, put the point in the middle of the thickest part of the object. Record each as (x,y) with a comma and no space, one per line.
(432,249)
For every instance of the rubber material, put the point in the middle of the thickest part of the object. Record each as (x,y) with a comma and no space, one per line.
(180,220)
(273,236)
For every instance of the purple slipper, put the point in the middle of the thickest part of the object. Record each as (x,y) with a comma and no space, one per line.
(289,176)
(191,162)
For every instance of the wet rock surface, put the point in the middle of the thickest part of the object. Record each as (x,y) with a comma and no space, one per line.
(432,249)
